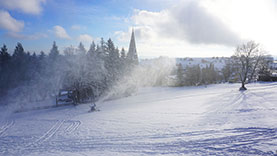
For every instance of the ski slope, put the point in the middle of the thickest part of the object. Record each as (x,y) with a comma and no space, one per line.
(212,120)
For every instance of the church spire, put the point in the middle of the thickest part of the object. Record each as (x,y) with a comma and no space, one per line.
(132,52)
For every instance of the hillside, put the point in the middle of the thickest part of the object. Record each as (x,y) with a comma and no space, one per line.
(212,120)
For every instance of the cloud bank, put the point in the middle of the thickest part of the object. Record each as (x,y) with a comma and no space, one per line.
(193,23)
(187,29)
(188,21)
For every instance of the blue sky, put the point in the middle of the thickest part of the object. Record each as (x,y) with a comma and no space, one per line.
(174,28)
(94,18)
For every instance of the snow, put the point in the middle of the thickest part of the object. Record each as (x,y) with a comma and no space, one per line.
(213,120)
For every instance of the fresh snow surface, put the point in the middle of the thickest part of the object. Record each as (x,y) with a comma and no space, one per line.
(212,120)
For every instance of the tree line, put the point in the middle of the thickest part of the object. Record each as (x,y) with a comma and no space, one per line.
(92,73)
(34,77)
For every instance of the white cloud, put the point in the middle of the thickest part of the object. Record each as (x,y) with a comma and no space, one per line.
(60,32)
(189,22)
(7,22)
(85,38)
(186,29)
(204,27)
(26,6)
(195,24)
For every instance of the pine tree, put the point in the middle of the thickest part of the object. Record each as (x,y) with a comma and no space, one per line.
(41,62)
(122,54)
(110,47)
(4,56)
(19,65)
(54,69)
(103,47)
(112,63)
(19,52)
(92,49)
(54,52)
(42,56)
(5,59)
(81,49)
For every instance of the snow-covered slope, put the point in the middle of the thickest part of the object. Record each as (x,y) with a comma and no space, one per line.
(217,120)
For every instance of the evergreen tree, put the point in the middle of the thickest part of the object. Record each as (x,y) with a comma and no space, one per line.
(4,56)
(92,49)
(122,54)
(123,62)
(54,70)
(19,52)
(111,60)
(103,47)
(54,52)
(110,47)
(5,73)
(41,63)
(19,66)
(81,49)
(42,56)
(102,43)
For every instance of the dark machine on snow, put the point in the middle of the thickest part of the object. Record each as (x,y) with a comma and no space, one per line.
(66,97)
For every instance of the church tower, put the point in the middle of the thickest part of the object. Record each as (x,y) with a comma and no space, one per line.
(132,55)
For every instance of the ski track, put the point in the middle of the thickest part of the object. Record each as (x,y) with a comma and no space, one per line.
(73,126)
(5,127)
(51,132)
(46,136)
(205,136)
(243,141)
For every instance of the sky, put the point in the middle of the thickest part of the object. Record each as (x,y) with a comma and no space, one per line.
(173,28)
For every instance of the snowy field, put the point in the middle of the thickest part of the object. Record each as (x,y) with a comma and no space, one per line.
(217,120)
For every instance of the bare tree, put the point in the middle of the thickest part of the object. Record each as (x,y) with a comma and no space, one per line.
(246,59)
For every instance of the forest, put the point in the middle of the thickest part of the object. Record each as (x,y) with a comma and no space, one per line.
(31,77)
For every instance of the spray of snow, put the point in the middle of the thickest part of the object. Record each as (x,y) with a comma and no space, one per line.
(154,72)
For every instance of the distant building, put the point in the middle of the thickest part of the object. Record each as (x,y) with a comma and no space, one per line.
(132,55)
(273,65)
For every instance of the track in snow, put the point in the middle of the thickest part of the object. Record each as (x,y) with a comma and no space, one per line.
(5,127)
(215,121)
(73,126)
(238,141)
